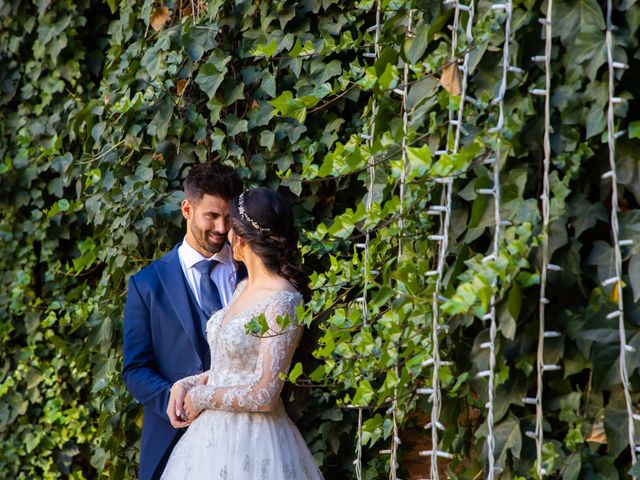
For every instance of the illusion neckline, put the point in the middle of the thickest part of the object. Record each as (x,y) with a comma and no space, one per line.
(225,309)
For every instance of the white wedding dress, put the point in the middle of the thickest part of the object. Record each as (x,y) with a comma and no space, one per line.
(243,433)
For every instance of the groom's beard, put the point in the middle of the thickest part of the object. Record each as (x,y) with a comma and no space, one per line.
(213,241)
(209,240)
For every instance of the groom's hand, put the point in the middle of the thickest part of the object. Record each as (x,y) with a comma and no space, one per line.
(190,409)
(175,410)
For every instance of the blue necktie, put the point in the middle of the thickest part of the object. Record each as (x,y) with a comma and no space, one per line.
(209,295)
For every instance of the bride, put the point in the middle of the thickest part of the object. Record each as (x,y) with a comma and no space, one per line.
(238,428)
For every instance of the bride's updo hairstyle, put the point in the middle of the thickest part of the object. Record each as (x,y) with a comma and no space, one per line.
(264,218)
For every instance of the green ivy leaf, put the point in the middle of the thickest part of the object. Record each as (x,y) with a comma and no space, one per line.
(364,394)
(414,47)
(295,372)
(287,105)
(212,73)
(160,123)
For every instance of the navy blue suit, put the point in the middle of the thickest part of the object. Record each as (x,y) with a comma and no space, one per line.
(163,342)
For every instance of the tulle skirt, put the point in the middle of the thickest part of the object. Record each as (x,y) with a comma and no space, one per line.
(242,446)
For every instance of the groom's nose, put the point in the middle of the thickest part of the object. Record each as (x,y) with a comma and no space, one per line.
(221,225)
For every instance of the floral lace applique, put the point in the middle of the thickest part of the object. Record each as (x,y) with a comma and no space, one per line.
(192,381)
(246,369)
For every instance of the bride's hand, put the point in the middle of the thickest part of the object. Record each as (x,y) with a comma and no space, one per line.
(190,409)
(175,409)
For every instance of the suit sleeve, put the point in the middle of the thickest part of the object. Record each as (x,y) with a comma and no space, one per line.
(139,368)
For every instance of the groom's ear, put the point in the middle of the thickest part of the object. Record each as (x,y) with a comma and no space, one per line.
(187,209)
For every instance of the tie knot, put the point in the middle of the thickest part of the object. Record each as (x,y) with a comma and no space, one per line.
(205,266)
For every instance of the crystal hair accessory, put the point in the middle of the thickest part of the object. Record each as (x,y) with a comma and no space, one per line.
(245,216)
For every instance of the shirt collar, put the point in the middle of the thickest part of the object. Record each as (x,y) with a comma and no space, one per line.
(191,256)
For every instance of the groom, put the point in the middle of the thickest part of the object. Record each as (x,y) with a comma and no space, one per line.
(169,303)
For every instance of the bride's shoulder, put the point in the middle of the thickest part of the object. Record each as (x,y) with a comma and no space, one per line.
(287,295)
(293,293)
(288,298)
(284,286)
(239,288)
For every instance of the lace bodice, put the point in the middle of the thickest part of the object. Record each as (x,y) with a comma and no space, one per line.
(245,369)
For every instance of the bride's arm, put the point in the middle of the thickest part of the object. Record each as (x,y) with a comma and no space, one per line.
(189,382)
(274,357)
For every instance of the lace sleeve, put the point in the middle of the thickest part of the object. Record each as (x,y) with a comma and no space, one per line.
(274,357)
(192,381)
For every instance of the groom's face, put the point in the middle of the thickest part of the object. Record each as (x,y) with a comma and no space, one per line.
(207,223)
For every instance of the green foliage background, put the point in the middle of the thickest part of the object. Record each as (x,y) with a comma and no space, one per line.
(101,115)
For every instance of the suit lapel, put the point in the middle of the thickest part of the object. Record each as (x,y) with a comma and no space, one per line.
(175,285)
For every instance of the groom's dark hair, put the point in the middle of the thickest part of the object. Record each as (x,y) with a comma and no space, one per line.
(212,178)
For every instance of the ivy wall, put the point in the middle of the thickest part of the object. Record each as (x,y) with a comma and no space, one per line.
(346,107)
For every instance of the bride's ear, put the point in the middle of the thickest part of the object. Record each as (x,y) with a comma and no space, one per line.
(236,240)
(237,246)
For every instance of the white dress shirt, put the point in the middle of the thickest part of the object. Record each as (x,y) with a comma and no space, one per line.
(223,274)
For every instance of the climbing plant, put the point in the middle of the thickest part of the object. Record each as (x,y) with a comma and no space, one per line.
(410,136)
